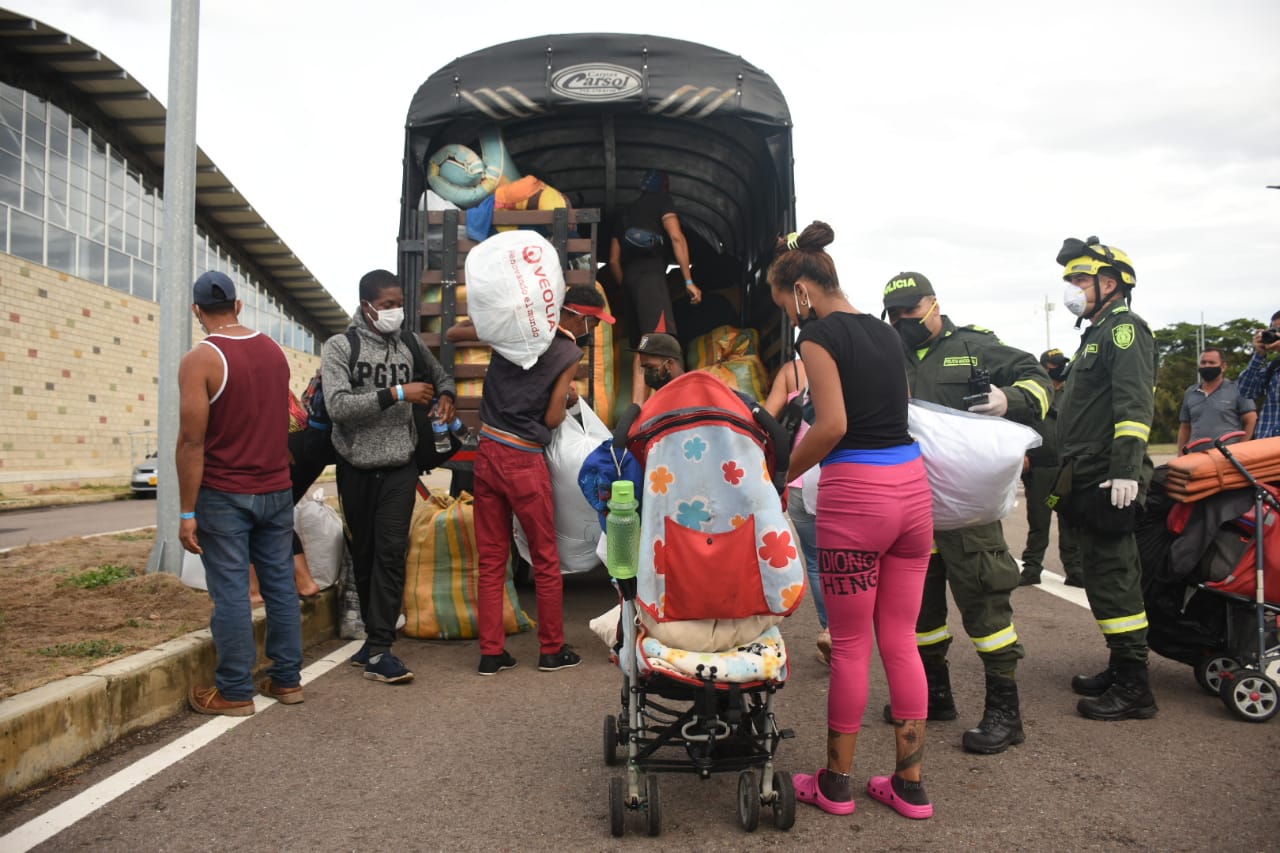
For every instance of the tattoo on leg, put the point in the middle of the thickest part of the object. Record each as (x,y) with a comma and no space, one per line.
(913,737)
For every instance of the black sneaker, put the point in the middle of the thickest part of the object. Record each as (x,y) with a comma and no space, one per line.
(562,659)
(387,668)
(360,658)
(494,664)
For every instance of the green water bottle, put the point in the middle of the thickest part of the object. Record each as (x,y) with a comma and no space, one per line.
(623,529)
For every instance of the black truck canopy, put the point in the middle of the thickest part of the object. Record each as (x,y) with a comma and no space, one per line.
(590,113)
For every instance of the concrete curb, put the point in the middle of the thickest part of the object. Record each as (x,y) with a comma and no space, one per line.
(16,504)
(51,728)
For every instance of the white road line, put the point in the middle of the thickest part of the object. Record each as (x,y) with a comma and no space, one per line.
(1053,584)
(41,829)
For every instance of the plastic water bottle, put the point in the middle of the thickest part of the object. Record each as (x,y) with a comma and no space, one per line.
(623,529)
(459,430)
(441,431)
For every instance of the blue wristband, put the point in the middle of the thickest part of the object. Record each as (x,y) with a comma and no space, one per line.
(400,392)
(185,515)
(688,282)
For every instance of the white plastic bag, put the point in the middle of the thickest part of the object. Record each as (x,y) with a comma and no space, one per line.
(320,528)
(974,462)
(193,571)
(515,288)
(577,522)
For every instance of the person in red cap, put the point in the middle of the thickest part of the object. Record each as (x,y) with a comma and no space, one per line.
(519,410)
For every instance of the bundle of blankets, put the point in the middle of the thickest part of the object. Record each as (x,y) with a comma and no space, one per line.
(1198,475)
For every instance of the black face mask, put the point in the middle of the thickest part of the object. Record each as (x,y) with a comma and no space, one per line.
(655,377)
(1208,374)
(913,331)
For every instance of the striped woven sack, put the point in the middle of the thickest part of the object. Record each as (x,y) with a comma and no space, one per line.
(441,574)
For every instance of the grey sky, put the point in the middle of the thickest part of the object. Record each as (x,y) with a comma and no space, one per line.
(961,140)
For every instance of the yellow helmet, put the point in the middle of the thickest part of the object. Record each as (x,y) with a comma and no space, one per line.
(1089,257)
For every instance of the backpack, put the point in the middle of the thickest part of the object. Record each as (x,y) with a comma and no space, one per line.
(321,451)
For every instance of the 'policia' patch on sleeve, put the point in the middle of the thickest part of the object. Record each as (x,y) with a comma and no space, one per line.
(1123,335)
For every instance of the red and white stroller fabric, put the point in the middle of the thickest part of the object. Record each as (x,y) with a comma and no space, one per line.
(718,555)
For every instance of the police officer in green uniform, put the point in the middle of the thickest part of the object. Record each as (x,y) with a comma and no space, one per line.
(1038,479)
(974,561)
(1105,421)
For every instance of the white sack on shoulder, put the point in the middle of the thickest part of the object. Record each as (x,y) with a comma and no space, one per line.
(515,288)
(577,522)
(974,462)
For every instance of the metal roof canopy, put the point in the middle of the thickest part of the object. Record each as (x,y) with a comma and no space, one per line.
(716,124)
(98,92)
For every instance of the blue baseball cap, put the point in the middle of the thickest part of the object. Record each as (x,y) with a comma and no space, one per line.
(213,288)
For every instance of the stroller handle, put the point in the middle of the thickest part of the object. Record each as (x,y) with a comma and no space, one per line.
(781,445)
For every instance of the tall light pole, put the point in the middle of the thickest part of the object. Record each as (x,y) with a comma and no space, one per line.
(175,270)
(1048,309)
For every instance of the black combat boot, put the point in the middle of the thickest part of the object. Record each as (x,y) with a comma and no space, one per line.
(1128,698)
(1001,725)
(942,706)
(1094,685)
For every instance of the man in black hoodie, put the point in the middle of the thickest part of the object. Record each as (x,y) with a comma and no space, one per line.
(375,438)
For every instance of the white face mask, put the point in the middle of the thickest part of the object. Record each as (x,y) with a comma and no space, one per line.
(389,319)
(1075,300)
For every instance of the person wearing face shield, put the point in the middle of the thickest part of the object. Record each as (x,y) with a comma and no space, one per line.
(943,360)
(1104,423)
(1214,406)
(371,404)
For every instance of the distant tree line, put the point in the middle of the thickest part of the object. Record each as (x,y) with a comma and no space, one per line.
(1179,351)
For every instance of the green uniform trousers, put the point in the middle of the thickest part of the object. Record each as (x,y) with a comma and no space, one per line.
(976,564)
(1038,483)
(1113,583)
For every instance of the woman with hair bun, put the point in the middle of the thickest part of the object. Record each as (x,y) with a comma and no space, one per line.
(874,520)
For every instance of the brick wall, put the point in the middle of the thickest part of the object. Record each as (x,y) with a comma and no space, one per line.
(78,379)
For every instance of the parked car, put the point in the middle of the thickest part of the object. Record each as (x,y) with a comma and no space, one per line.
(143,481)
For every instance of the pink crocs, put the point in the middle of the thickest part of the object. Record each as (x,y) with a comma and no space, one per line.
(881,788)
(807,791)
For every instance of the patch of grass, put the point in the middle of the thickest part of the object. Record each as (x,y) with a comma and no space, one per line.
(133,537)
(82,649)
(101,576)
(133,623)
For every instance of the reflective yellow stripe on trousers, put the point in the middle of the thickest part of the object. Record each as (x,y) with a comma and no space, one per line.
(998,640)
(1123,624)
(931,638)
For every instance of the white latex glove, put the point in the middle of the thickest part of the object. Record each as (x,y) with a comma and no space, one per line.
(997,404)
(1123,492)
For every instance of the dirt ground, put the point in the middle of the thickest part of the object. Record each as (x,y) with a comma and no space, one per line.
(55,621)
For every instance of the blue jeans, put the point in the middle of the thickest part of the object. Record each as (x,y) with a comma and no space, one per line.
(234,531)
(807,531)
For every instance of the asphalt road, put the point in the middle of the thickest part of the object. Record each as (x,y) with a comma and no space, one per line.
(457,762)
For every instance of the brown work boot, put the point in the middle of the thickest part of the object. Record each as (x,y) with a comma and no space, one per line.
(283,695)
(207,700)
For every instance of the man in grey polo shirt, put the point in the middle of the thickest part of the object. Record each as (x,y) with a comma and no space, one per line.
(1214,406)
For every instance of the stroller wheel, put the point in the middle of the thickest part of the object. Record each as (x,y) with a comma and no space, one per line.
(610,740)
(1210,669)
(1250,695)
(617,807)
(784,801)
(652,805)
(749,801)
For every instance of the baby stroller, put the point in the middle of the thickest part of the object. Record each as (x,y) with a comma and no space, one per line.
(718,568)
(1211,557)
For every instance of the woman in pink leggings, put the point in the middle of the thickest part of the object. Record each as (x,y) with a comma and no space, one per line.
(875,524)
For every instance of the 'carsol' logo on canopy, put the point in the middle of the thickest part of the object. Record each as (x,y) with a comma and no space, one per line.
(596,81)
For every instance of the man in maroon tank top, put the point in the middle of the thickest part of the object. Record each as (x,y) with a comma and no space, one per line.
(237,499)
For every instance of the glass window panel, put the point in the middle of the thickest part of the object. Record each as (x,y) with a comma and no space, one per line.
(34,178)
(98,160)
(146,210)
(78,199)
(36,128)
(97,208)
(80,153)
(33,202)
(131,203)
(26,237)
(77,221)
(78,177)
(11,94)
(55,211)
(62,250)
(10,165)
(58,118)
(92,261)
(33,153)
(115,175)
(148,250)
(57,190)
(118,270)
(249,316)
(97,229)
(58,142)
(10,127)
(10,192)
(58,165)
(144,280)
(4,228)
(36,105)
